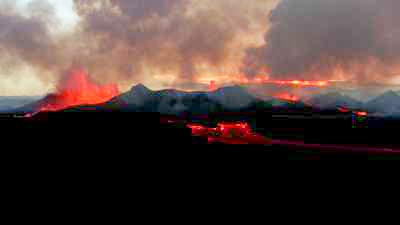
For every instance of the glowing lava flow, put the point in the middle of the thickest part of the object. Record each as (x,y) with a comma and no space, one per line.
(297,83)
(229,133)
(78,90)
(265,79)
(362,114)
(344,109)
(288,97)
(303,83)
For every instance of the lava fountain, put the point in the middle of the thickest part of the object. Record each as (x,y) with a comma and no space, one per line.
(78,89)
(213,86)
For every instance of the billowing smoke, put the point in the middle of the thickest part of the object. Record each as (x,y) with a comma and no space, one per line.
(151,37)
(128,41)
(178,41)
(314,39)
(26,38)
(159,33)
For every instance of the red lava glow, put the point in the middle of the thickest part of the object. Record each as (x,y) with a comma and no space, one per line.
(229,133)
(344,110)
(362,114)
(296,83)
(79,89)
(213,86)
(198,130)
(288,97)
(302,83)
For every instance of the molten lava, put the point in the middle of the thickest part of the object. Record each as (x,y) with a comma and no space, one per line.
(297,83)
(198,130)
(213,86)
(229,133)
(344,109)
(77,90)
(288,97)
(362,114)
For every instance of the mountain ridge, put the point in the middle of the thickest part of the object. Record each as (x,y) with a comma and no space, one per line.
(334,100)
(388,102)
(171,101)
(9,103)
(231,98)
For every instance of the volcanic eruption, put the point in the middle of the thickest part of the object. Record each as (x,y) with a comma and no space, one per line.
(78,89)
(287,97)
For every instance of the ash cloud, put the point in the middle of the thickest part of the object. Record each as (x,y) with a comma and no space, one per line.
(26,38)
(124,41)
(314,39)
(169,35)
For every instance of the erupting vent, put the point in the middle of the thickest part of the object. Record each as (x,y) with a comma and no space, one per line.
(213,86)
(78,89)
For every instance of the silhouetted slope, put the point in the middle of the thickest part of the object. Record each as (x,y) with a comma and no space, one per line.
(334,100)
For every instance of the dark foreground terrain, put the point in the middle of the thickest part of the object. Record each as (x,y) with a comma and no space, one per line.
(149,133)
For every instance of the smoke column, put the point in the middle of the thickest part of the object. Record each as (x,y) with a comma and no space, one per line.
(327,39)
(129,41)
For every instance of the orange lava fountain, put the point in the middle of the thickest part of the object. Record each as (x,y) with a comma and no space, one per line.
(79,89)
(213,86)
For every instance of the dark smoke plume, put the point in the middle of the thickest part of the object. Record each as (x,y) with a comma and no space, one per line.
(314,39)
